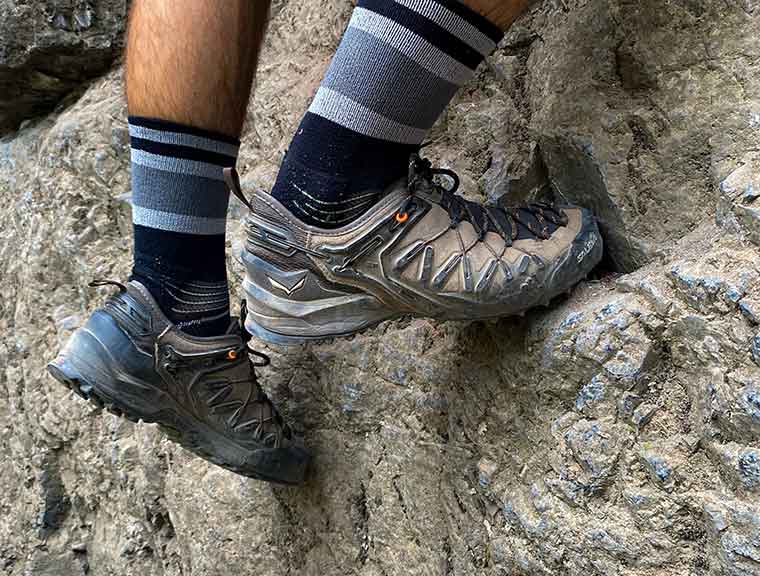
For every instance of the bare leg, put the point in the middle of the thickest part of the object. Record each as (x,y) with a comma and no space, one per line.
(193,62)
(501,12)
(189,70)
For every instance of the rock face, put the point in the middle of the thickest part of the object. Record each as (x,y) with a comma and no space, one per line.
(49,47)
(616,433)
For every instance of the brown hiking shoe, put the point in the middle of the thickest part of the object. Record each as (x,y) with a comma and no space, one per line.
(421,250)
(203,392)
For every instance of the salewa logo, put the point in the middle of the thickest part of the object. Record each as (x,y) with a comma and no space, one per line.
(588,247)
(288,290)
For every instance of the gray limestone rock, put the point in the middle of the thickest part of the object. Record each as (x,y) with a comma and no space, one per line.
(642,109)
(615,433)
(49,48)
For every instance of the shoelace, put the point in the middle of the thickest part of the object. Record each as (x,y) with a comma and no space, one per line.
(282,429)
(502,221)
(217,403)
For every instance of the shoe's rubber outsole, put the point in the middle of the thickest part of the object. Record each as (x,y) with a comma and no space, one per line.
(257,330)
(193,436)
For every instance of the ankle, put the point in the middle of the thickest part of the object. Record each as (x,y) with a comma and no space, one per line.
(197,308)
(333,200)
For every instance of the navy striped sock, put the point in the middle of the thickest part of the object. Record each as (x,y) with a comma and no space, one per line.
(397,67)
(179,210)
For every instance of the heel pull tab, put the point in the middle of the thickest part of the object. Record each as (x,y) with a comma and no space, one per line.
(243,313)
(232,180)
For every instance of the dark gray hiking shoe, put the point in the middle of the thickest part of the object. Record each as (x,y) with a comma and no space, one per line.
(203,392)
(421,250)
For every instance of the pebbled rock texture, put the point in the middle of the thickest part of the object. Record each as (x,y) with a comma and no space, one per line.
(616,433)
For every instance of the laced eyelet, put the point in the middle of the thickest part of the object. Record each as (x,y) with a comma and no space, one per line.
(503,221)
(232,355)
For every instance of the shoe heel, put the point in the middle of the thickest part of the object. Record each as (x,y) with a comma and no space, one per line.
(66,374)
(294,307)
(99,365)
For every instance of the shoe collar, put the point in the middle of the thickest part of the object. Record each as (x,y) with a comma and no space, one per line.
(393,195)
(166,330)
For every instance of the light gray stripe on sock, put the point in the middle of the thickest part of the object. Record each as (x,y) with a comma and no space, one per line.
(179,139)
(453,23)
(405,92)
(354,116)
(411,45)
(177,165)
(178,193)
(177,222)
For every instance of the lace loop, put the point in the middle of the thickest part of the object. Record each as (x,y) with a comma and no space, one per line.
(263,359)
